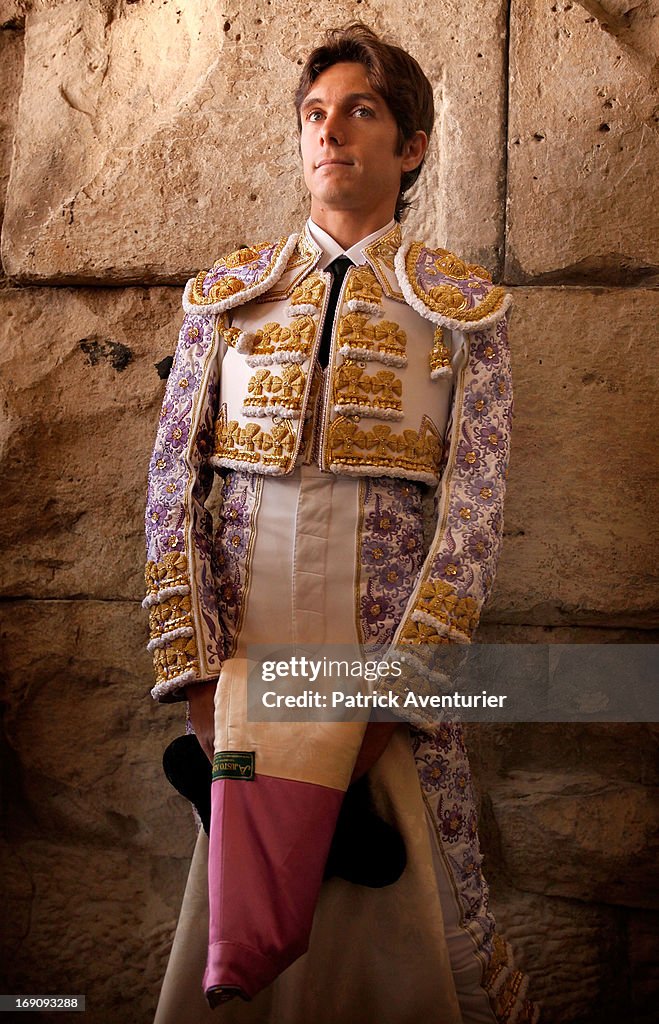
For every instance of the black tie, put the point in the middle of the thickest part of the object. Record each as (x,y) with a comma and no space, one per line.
(338,269)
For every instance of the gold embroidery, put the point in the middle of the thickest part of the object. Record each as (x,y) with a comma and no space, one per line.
(253,445)
(385,248)
(363,286)
(310,292)
(354,387)
(231,285)
(503,984)
(447,299)
(349,445)
(381,255)
(441,600)
(382,337)
(390,338)
(239,257)
(286,392)
(440,355)
(303,252)
(222,289)
(230,334)
(171,571)
(179,656)
(173,613)
(297,338)
(421,633)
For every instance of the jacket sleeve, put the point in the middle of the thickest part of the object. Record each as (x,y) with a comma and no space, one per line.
(458,572)
(185,637)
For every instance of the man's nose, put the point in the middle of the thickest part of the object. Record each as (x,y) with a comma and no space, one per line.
(332,131)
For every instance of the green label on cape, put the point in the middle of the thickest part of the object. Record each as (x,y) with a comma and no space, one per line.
(234,764)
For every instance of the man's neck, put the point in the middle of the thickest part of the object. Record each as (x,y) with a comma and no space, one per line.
(348,227)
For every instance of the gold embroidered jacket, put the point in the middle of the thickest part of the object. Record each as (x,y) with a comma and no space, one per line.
(415,329)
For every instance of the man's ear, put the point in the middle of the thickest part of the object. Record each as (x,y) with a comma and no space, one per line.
(414,150)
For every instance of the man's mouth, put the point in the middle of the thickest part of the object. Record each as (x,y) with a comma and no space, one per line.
(332,161)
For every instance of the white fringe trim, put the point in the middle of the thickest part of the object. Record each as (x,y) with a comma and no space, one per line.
(369,355)
(441,371)
(271,410)
(301,309)
(247,294)
(276,358)
(438,318)
(162,689)
(442,680)
(164,594)
(165,638)
(361,306)
(393,471)
(224,462)
(372,411)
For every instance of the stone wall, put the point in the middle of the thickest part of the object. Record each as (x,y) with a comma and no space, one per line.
(139,141)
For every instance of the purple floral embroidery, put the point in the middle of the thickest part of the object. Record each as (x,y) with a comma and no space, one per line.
(240,498)
(487,350)
(450,797)
(452,823)
(478,545)
(176,518)
(176,434)
(429,274)
(465,554)
(435,773)
(477,405)
(375,609)
(249,273)
(391,555)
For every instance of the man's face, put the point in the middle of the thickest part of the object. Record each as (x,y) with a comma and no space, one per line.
(348,142)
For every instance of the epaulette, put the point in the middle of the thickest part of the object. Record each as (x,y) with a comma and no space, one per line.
(447,290)
(238,278)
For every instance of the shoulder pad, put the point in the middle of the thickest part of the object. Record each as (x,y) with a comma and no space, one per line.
(447,290)
(238,278)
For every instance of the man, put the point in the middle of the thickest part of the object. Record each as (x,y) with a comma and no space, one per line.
(332,378)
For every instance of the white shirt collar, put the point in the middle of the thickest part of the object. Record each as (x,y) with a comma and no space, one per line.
(331,248)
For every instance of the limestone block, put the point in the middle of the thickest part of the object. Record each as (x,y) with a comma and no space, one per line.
(11,73)
(580,543)
(12,13)
(154,137)
(81,399)
(85,738)
(573,952)
(616,750)
(578,835)
(583,145)
(100,922)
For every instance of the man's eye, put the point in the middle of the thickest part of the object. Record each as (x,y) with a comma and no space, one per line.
(314,115)
(363,112)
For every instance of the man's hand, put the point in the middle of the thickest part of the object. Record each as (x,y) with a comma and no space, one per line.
(375,740)
(201,698)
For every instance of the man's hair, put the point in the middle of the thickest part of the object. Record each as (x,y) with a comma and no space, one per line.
(392,72)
